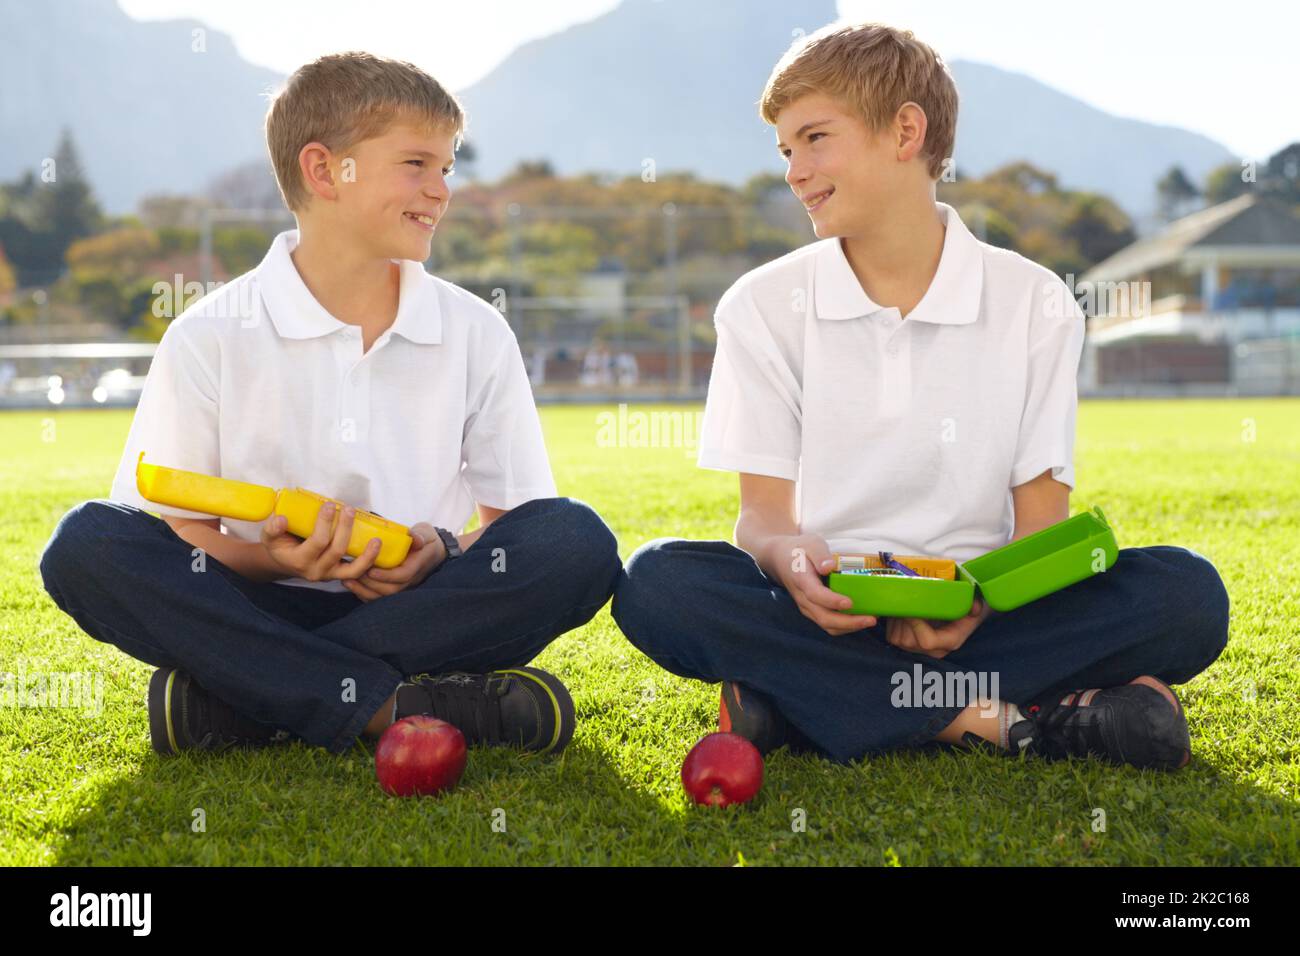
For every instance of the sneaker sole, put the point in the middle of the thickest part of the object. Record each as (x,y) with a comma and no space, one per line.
(562,709)
(161,731)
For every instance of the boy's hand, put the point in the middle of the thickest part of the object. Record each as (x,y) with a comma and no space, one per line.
(427,552)
(938,639)
(801,560)
(321,556)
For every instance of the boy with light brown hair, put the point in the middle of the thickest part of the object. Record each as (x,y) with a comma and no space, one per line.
(901,386)
(341,366)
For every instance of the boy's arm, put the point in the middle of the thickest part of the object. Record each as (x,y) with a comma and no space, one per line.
(247,558)
(766,516)
(768,532)
(486,515)
(1039,503)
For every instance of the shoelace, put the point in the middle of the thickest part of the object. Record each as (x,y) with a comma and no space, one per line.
(1063,729)
(473,705)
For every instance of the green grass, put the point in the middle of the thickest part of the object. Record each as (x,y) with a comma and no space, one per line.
(81,789)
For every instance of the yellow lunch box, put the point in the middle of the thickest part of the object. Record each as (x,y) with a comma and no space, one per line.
(227,498)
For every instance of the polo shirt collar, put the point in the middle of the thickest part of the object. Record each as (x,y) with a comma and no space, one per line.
(953,297)
(296,314)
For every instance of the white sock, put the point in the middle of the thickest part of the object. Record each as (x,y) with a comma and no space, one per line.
(1008,715)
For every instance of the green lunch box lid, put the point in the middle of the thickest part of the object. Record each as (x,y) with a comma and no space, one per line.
(1008,577)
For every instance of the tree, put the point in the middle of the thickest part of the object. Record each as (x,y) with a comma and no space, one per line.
(249,186)
(8,281)
(1024,176)
(65,206)
(989,225)
(467,159)
(761,186)
(1278,178)
(1225,182)
(1282,174)
(240,248)
(530,169)
(106,273)
(1175,194)
(1097,226)
(119,250)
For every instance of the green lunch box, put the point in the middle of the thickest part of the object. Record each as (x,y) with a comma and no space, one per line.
(1013,575)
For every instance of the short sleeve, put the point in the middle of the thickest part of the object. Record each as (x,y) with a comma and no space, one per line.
(503,451)
(1047,425)
(176,420)
(752,415)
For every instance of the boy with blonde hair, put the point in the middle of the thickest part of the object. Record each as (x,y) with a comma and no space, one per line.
(340,365)
(901,386)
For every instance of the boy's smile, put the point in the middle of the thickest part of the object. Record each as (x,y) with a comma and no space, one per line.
(817,200)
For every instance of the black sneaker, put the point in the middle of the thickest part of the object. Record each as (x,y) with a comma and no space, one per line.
(753,716)
(1141,724)
(521,707)
(184,716)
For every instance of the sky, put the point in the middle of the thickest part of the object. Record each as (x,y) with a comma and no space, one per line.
(1227,70)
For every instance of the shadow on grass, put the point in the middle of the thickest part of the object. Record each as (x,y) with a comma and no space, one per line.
(298,805)
(617,802)
(944,805)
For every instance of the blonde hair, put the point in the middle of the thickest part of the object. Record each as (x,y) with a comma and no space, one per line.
(344,98)
(873,69)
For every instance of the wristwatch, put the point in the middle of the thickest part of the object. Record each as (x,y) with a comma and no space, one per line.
(449,541)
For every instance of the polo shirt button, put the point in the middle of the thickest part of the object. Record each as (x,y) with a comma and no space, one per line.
(893,350)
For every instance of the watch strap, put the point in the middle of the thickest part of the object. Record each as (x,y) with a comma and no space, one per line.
(449,541)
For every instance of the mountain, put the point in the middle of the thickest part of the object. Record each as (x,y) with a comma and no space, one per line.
(1005,116)
(678,81)
(148,112)
(673,81)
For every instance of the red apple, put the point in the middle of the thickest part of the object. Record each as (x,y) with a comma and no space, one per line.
(723,769)
(419,754)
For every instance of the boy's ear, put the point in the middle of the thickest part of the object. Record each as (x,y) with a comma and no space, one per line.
(910,124)
(314,165)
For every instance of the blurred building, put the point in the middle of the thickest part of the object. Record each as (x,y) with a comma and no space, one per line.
(1210,303)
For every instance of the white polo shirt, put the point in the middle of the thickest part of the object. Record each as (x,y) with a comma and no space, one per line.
(903,434)
(257,382)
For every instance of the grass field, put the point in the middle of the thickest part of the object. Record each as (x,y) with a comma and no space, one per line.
(1221,477)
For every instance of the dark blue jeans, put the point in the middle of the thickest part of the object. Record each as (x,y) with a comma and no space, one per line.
(705,610)
(315,663)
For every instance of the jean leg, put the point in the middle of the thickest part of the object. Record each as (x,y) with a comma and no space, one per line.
(543,568)
(705,610)
(127,579)
(1159,610)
